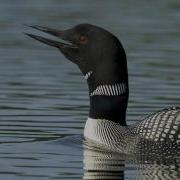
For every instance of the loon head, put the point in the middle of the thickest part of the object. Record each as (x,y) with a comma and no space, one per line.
(102,60)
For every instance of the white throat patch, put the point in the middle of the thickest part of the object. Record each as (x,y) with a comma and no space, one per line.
(110,90)
(88,74)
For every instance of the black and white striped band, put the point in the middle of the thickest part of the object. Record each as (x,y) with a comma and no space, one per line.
(88,74)
(109,90)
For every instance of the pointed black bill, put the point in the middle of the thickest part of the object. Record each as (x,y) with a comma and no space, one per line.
(47,41)
(51,31)
(50,42)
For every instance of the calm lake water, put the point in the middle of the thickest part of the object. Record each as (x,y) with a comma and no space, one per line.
(43,97)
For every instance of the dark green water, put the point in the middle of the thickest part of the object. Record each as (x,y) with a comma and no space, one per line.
(43,97)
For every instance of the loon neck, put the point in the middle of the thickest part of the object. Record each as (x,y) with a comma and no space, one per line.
(108,86)
(111,108)
(108,100)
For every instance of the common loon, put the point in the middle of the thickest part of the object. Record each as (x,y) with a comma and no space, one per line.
(102,60)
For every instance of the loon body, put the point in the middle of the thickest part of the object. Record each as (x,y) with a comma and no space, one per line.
(102,60)
(156,131)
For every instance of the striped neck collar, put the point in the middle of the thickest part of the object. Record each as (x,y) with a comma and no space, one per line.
(88,74)
(109,90)
(109,101)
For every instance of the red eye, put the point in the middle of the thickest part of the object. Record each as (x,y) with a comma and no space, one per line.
(83,39)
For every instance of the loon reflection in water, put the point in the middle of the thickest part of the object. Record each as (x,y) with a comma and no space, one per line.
(101,163)
(102,60)
(104,164)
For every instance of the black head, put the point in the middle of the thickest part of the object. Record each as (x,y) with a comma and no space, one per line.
(102,59)
(91,48)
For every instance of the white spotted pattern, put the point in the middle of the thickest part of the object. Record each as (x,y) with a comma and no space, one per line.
(161,126)
(159,132)
(109,90)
